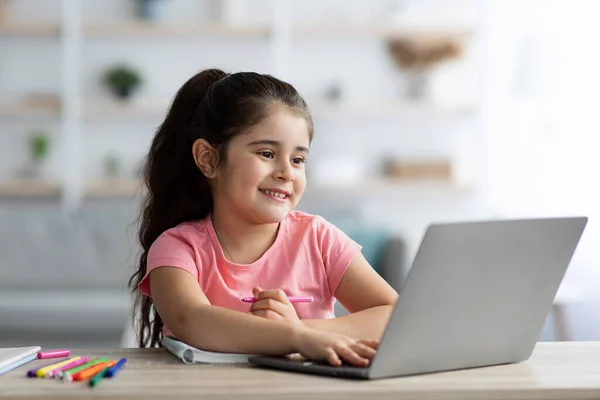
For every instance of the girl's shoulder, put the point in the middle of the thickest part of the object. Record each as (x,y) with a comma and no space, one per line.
(301,220)
(295,217)
(191,232)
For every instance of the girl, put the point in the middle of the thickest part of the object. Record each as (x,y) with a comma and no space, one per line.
(224,173)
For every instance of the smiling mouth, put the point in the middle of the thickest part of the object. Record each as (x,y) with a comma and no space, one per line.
(275,195)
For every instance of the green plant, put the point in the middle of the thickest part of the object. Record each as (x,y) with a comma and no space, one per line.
(39,145)
(122,80)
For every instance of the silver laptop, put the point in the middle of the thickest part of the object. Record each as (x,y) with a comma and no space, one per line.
(477,294)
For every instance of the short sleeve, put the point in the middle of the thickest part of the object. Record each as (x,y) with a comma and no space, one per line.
(337,251)
(171,249)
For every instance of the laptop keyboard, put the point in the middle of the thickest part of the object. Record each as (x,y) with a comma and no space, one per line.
(326,364)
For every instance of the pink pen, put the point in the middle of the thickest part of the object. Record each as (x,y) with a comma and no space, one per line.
(53,354)
(292,299)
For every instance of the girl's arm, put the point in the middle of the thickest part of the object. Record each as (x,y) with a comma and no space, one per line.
(367,296)
(361,291)
(185,309)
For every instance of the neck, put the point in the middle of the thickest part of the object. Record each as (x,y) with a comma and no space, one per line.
(244,240)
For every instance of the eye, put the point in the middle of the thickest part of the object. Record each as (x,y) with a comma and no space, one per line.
(267,154)
(299,160)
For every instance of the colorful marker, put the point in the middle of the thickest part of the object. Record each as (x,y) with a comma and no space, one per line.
(40,373)
(91,371)
(113,370)
(75,363)
(53,354)
(32,373)
(98,377)
(64,375)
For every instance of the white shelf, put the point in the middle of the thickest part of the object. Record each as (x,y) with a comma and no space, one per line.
(30,29)
(114,188)
(30,189)
(388,187)
(144,29)
(125,109)
(103,188)
(384,30)
(124,188)
(389,108)
(152,109)
(28,110)
(141,29)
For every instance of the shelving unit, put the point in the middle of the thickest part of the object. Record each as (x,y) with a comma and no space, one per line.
(279,35)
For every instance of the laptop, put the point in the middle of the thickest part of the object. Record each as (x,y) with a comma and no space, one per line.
(477,295)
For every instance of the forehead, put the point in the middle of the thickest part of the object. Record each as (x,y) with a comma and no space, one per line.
(283,125)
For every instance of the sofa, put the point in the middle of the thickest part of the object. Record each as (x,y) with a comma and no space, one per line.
(63,277)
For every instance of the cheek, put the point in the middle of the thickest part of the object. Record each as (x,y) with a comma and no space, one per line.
(300,181)
(248,174)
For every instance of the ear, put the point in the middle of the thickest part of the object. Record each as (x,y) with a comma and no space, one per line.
(205,156)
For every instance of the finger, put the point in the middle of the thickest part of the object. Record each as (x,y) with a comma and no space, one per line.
(268,314)
(364,350)
(268,304)
(255,290)
(374,344)
(333,358)
(276,294)
(350,356)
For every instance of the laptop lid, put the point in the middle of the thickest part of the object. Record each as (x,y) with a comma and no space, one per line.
(478,294)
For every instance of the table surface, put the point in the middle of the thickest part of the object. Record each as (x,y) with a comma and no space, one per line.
(556,370)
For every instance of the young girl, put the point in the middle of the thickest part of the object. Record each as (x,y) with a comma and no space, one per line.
(224,173)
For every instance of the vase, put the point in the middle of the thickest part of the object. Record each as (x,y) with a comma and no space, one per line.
(152,10)
(123,92)
(418,84)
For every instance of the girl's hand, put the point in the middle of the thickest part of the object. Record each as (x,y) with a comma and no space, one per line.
(273,304)
(335,348)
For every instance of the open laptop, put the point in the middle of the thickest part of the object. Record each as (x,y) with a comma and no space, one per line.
(477,294)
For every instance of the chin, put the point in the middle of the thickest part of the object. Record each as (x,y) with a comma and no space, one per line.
(272,216)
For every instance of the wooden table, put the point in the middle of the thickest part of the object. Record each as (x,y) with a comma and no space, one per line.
(555,371)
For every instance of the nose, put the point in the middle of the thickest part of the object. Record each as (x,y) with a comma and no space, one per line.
(284,172)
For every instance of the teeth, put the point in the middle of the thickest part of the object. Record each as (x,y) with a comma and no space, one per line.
(280,195)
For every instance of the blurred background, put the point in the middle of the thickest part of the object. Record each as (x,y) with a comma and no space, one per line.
(425,111)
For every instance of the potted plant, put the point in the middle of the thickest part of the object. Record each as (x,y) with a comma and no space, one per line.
(39,148)
(122,81)
(112,165)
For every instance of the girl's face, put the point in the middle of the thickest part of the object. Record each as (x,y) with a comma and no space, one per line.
(264,175)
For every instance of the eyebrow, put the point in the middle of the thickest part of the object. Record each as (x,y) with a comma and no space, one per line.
(276,143)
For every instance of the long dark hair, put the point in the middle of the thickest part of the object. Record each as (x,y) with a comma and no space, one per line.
(215,106)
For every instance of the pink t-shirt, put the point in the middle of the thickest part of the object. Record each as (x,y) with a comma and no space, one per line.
(308,258)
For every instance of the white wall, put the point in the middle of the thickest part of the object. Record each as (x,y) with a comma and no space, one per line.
(541,121)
